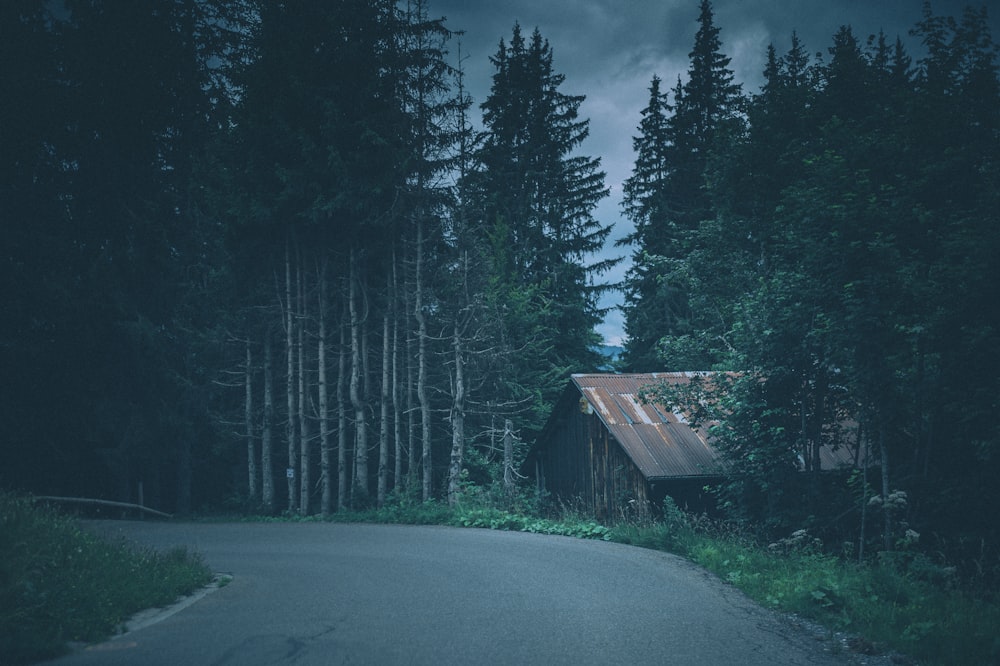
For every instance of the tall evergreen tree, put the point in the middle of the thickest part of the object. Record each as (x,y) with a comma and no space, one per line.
(706,111)
(116,102)
(330,146)
(430,106)
(857,190)
(39,268)
(954,131)
(535,196)
(646,205)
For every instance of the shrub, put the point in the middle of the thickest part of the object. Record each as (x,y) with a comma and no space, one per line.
(902,601)
(60,583)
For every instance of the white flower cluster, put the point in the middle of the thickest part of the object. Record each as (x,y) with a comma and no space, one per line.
(797,541)
(894,501)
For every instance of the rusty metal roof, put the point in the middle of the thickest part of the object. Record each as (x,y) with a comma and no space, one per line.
(660,442)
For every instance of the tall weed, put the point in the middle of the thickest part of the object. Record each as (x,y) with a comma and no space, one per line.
(901,601)
(60,583)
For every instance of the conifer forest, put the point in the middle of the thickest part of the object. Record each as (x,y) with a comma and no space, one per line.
(273,257)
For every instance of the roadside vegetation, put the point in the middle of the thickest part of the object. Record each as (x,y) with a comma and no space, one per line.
(897,602)
(61,584)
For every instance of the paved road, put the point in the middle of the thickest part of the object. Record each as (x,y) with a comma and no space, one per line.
(316,593)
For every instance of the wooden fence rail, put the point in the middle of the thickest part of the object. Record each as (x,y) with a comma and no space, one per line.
(120,505)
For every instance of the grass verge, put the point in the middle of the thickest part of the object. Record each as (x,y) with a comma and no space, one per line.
(900,602)
(60,583)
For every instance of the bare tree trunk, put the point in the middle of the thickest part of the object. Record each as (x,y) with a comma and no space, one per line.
(925,418)
(815,440)
(816,436)
(183,477)
(411,466)
(360,486)
(248,416)
(267,469)
(397,477)
(886,510)
(425,406)
(305,480)
(864,449)
(341,423)
(366,389)
(509,483)
(383,437)
(324,426)
(290,430)
(457,421)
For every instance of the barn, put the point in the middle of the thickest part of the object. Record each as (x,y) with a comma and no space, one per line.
(602,447)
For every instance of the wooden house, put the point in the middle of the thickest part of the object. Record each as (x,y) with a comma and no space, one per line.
(604,448)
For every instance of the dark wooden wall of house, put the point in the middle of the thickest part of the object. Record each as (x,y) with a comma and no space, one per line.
(582,463)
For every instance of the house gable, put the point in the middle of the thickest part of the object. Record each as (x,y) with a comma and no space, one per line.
(660,442)
(603,446)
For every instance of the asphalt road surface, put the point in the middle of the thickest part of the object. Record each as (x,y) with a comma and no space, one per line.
(322,594)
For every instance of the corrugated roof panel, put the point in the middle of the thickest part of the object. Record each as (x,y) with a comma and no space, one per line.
(660,441)
(654,438)
(661,415)
(600,399)
(627,408)
(644,413)
(830,459)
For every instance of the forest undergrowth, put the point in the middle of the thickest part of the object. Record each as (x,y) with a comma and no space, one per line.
(898,602)
(61,584)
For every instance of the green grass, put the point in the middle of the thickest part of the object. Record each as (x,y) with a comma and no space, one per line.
(407,512)
(900,602)
(886,602)
(497,519)
(62,584)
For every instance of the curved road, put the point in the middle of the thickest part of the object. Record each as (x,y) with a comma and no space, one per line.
(316,593)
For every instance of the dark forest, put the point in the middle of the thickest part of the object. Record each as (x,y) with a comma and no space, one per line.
(272,257)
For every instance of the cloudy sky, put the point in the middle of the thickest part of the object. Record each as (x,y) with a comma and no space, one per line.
(609,51)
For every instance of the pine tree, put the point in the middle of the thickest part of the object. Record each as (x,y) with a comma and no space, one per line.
(429,105)
(333,151)
(534,197)
(106,245)
(953,132)
(646,205)
(707,111)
